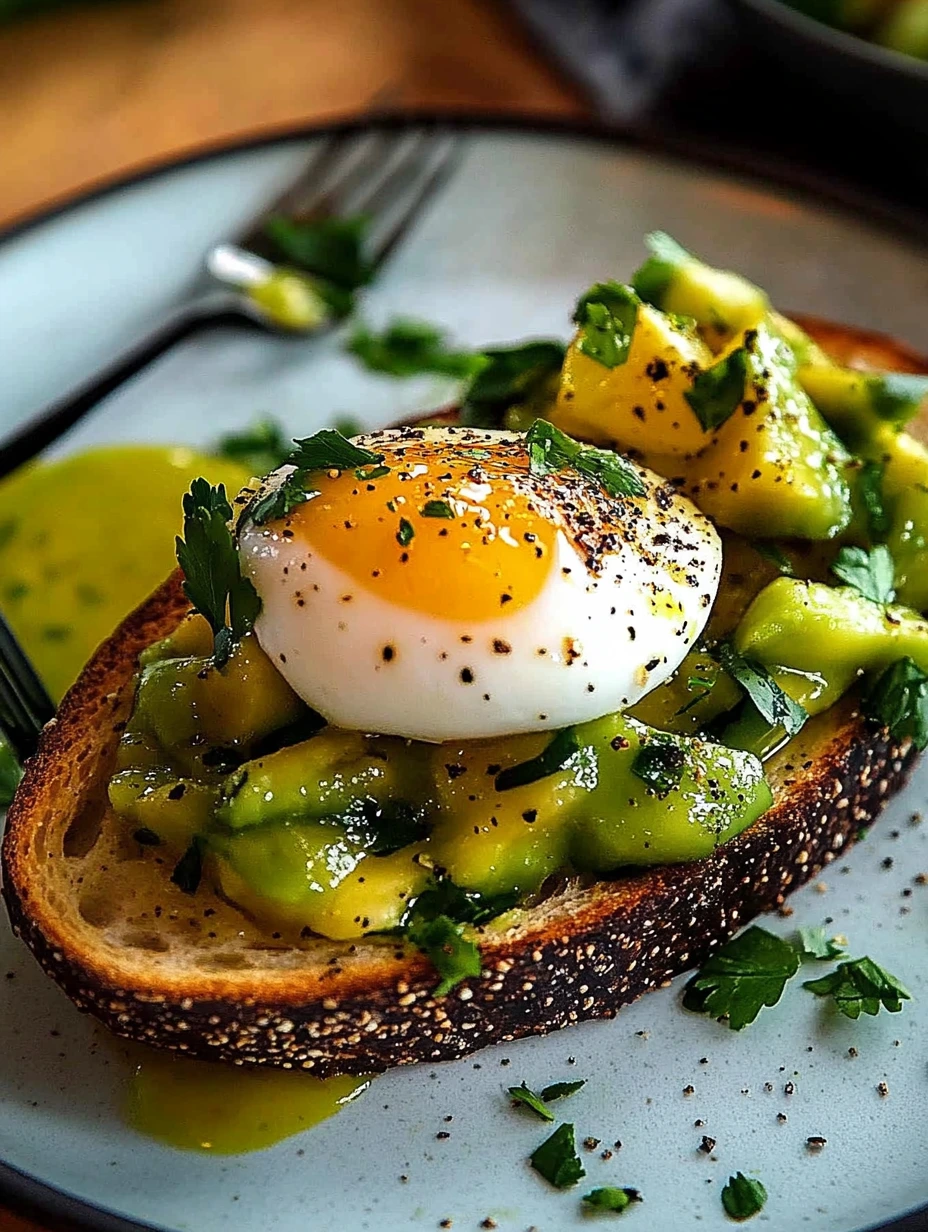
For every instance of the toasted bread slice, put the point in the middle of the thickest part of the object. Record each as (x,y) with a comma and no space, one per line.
(192,973)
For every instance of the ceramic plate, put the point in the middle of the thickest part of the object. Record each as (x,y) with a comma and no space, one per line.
(528,221)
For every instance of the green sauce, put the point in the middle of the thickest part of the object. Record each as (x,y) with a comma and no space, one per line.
(85,540)
(203,1106)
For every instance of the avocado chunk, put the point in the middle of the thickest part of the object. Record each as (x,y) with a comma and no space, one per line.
(188,703)
(314,875)
(817,640)
(644,397)
(773,468)
(722,304)
(336,773)
(857,404)
(161,803)
(698,692)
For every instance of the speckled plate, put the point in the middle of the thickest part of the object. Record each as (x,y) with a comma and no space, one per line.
(529,220)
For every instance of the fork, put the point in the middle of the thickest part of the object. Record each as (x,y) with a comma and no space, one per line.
(387,176)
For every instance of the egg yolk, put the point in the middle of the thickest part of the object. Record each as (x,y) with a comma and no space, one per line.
(454,531)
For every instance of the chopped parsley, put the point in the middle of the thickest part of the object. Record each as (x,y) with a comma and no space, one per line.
(653,278)
(557,1160)
(611,1198)
(558,1090)
(524,1095)
(406,533)
(899,701)
(408,348)
(325,450)
(860,986)
(437,509)
(454,956)
(551,450)
(606,317)
(553,757)
(777,707)
(443,897)
(739,979)
(870,490)
(146,837)
(189,868)
(330,248)
(815,943)
(871,573)
(260,448)
(660,763)
(717,391)
(743,1197)
(209,560)
(511,375)
(776,556)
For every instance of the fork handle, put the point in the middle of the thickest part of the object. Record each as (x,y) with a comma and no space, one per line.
(43,429)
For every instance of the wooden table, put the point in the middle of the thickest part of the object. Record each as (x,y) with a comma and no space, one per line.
(92,91)
(89,93)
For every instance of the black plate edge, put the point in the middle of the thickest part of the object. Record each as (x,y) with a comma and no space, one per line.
(25,1193)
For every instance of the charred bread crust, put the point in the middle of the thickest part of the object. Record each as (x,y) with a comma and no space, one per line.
(582,955)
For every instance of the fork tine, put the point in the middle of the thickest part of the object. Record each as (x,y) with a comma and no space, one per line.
(379,191)
(439,170)
(23,677)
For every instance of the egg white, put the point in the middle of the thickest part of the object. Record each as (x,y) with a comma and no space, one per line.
(590,643)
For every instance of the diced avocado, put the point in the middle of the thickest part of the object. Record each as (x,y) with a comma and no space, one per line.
(718,793)
(906,28)
(698,692)
(192,637)
(336,773)
(826,637)
(641,399)
(157,801)
(773,469)
(190,702)
(801,347)
(312,875)
(723,304)
(857,404)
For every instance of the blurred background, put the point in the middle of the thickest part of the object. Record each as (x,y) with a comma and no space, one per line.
(90,90)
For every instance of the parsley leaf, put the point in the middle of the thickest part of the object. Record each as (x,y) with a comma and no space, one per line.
(814,943)
(189,868)
(553,757)
(742,977)
(871,573)
(209,560)
(860,986)
(899,700)
(606,316)
(452,955)
(406,533)
(408,348)
(743,1196)
(551,450)
(557,1160)
(443,897)
(777,707)
(660,763)
(776,556)
(329,450)
(260,448)
(323,451)
(523,1095)
(896,396)
(331,248)
(717,391)
(437,509)
(870,490)
(611,1198)
(659,270)
(511,375)
(558,1090)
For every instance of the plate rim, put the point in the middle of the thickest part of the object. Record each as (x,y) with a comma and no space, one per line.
(27,1194)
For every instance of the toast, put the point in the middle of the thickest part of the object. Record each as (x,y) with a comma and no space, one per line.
(194,974)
